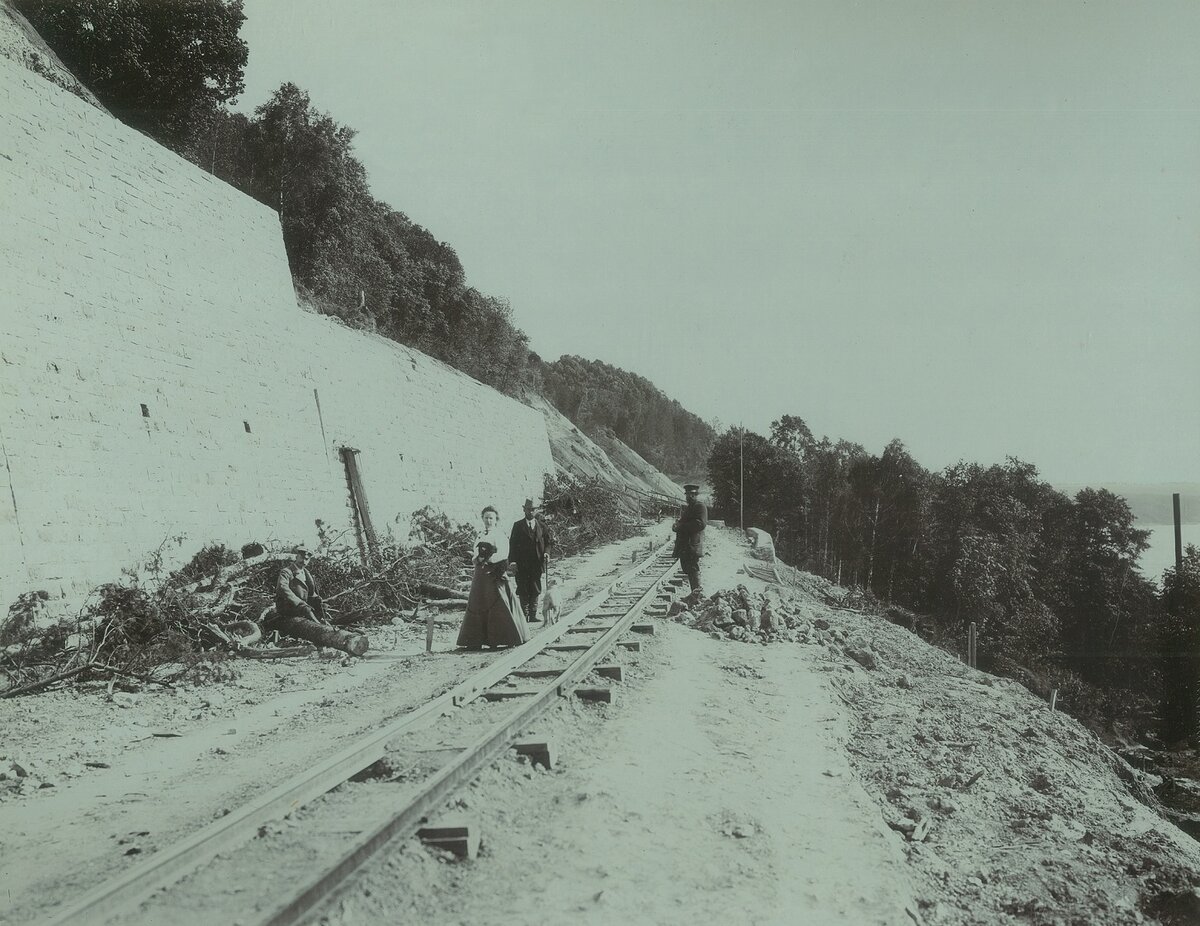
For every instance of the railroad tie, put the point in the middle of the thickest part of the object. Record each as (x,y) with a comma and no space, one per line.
(457,835)
(601,628)
(634,646)
(503,694)
(612,672)
(605,695)
(539,750)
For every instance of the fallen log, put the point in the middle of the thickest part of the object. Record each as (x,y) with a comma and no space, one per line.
(444,604)
(321,634)
(442,592)
(42,683)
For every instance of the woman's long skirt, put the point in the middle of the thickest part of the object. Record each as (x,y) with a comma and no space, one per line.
(492,617)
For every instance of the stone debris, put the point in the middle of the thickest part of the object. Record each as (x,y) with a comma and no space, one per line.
(780,618)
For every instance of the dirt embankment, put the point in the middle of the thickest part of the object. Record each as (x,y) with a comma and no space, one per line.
(1006,811)
(615,463)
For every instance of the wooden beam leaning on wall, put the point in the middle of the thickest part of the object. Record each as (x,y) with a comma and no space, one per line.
(368,543)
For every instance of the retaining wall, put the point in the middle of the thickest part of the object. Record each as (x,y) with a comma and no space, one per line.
(158,379)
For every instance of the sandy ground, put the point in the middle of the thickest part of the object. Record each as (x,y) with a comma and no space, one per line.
(87,785)
(702,795)
(845,773)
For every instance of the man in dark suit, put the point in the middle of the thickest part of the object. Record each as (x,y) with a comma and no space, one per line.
(689,534)
(527,550)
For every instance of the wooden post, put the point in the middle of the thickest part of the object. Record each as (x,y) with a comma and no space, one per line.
(368,544)
(1054,699)
(972,639)
(428,630)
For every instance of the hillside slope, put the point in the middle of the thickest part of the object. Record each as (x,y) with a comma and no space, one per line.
(20,42)
(1006,811)
(579,456)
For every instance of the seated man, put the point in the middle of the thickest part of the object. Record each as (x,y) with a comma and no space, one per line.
(300,612)
(296,590)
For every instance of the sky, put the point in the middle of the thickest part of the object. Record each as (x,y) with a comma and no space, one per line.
(971,226)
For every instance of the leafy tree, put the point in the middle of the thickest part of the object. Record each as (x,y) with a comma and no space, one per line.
(156,66)
(773,481)
(791,433)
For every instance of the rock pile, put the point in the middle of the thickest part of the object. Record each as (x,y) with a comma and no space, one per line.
(756,617)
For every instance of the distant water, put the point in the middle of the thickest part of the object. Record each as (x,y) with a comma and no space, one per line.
(1161,553)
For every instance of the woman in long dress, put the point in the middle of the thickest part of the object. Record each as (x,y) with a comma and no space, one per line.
(492,616)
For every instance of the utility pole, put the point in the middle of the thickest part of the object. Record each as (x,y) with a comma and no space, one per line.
(1178,536)
(742,483)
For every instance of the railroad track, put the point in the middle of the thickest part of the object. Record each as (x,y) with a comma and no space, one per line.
(399,779)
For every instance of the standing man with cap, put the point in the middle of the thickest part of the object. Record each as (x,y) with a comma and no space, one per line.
(528,546)
(689,534)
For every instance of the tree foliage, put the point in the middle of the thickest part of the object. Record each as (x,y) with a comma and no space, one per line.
(596,396)
(1047,579)
(157,66)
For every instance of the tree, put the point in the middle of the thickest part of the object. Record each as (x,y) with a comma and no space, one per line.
(596,396)
(156,66)
(791,433)
(773,483)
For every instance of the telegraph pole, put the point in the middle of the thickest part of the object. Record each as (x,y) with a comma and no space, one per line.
(741,481)
(1178,537)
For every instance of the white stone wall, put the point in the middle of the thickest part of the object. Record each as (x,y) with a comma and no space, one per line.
(130,278)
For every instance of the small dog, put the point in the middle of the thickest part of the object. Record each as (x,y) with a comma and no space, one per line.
(549,603)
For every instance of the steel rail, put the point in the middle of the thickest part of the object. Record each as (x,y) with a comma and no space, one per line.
(473,759)
(129,888)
